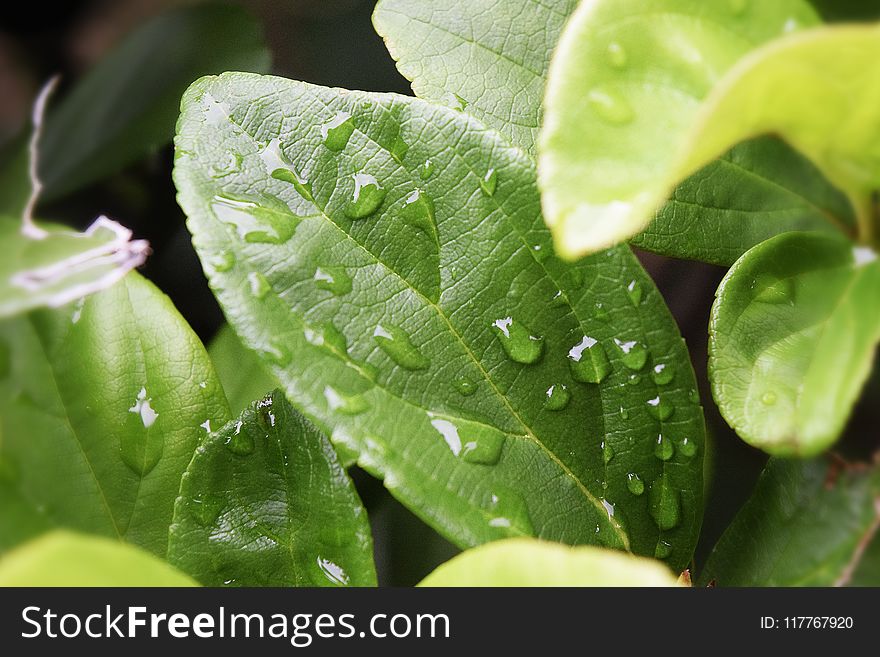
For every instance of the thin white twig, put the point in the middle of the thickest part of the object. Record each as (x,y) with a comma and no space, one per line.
(28,227)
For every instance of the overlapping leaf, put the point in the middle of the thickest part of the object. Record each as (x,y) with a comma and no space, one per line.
(265,502)
(67,559)
(101,404)
(808,523)
(243,376)
(529,562)
(388,259)
(626,94)
(792,340)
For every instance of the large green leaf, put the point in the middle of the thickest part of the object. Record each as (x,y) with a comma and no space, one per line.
(57,266)
(530,562)
(127,105)
(101,405)
(792,339)
(241,372)
(265,502)
(489,57)
(808,523)
(627,87)
(67,559)
(422,321)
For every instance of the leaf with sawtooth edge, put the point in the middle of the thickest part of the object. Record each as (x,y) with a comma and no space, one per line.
(405,364)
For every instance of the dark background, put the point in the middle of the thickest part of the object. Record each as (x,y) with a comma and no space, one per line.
(332,42)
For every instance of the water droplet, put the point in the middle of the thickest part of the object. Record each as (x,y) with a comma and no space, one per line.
(206,425)
(694,396)
(277,353)
(687,448)
(489,182)
(663,550)
(633,354)
(473,442)
(334,338)
(366,198)
(465,386)
(600,312)
(241,442)
(395,342)
(634,484)
(426,170)
(333,279)
(558,397)
(634,292)
(660,408)
(863,255)
(610,106)
(664,503)
(616,55)
(336,131)
(398,148)
(77,311)
(588,362)
(345,404)
(770,289)
(768,398)
(559,300)
(663,448)
(265,413)
(333,572)
(609,508)
(509,510)
(518,342)
(141,451)
(418,211)
(634,379)
(230,164)
(223,261)
(205,508)
(300,184)
(607,452)
(456,102)
(624,414)
(255,223)
(260,287)
(663,373)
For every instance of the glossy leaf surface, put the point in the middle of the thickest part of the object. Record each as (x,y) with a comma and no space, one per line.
(792,339)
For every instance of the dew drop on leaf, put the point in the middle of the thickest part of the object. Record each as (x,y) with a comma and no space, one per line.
(301,185)
(142,450)
(473,442)
(624,414)
(660,408)
(337,131)
(610,106)
(663,550)
(616,55)
(607,452)
(223,261)
(259,286)
(558,397)
(634,379)
(687,447)
(489,182)
(418,211)
(465,386)
(396,342)
(773,290)
(588,362)
(241,442)
(663,448)
(634,484)
(345,404)
(366,197)
(768,398)
(277,353)
(663,373)
(600,312)
(634,355)
(426,170)
(634,292)
(205,508)
(508,510)
(518,342)
(333,572)
(664,503)
(694,396)
(254,223)
(333,279)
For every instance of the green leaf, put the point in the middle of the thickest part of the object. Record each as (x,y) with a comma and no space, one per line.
(101,405)
(488,57)
(807,524)
(127,104)
(242,374)
(57,266)
(792,338)
(627,94)
(73,560)
(265,502)
(426,336)
(20,520)
(530,562)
